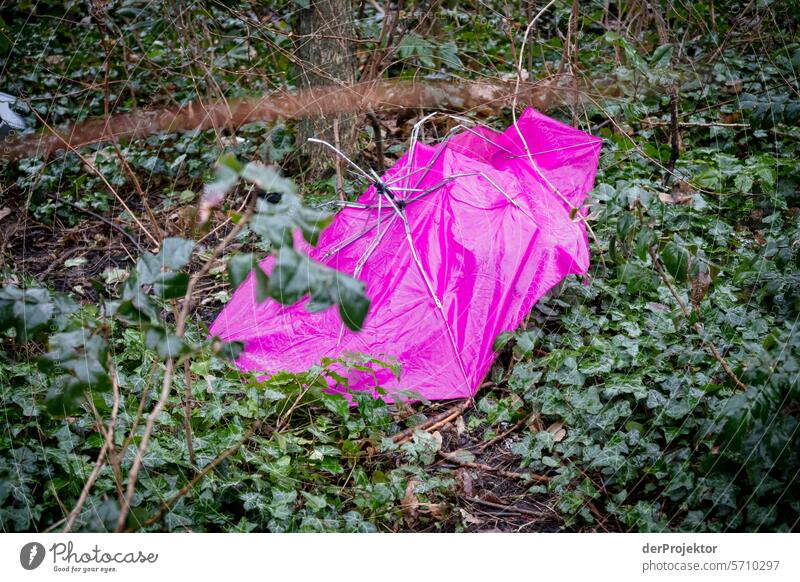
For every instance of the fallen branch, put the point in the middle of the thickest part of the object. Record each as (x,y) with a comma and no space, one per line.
(437,421)
(286,105)
(489,469)
(500,506)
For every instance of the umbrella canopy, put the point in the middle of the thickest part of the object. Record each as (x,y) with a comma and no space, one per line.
(455,245)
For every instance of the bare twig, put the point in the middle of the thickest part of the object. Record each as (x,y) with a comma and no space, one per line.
(187,412)
(99,217)
(106,450)
(87,487)
(435,422)
(94,170)
(450,458)
(180,326)
(378,134)
(133,474)
(165,507)
(698,327)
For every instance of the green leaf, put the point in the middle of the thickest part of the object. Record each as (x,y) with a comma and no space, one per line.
(350,295)
(148,268)
(239,267)
(644,241)
(501,340)
(171,285)
(637,278)
(262,285)
(230,350)
(267,179)
(662,56)
(676,260)
(175,252)
(229,161)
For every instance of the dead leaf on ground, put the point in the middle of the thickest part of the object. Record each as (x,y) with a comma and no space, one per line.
(535,423)
(558,431)
(5,211)
(700,284)
(437,511)
(680,194)
(492,498)
(437,439)
(410,503)
(470,519)
(464,482)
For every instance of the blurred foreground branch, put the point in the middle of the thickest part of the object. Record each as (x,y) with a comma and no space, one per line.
(232,114)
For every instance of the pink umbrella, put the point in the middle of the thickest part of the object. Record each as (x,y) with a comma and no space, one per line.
(455,243)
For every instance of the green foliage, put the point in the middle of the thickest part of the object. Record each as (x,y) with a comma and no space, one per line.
(643,428)
(294,274)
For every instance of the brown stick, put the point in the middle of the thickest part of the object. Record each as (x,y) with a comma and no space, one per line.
(98,466)
(187,413)
(433,423)
(180,327)
(133,475)
(382,95)
(106,450)
(504,434)
(489,469)
(206,470)
(698,327)
(380,163)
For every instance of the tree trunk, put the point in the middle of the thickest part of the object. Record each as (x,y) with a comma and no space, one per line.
(325,52)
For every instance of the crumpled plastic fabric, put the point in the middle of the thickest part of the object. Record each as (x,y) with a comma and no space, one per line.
(489,244)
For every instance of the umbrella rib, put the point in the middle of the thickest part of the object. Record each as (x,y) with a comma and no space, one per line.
(552,150)
(363,260)
(429,285)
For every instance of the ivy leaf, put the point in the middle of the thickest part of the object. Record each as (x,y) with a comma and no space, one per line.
(644,240)
(637,278)
(148,268)
(353,303)
(175,252)
(239,267)
(291,277)
(267,179)
(501,341)
(171,285)
(28,310)
(676,260)
(168,345)
(662,56)
(230,350)
(79,359)
(262,285)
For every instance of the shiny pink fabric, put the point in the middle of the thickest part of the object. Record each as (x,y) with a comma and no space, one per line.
(487,260)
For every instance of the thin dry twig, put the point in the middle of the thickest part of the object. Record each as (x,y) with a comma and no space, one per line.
(435,422)
(165,507)
(698,327)
(450,458)
(106,450)
(94,169)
